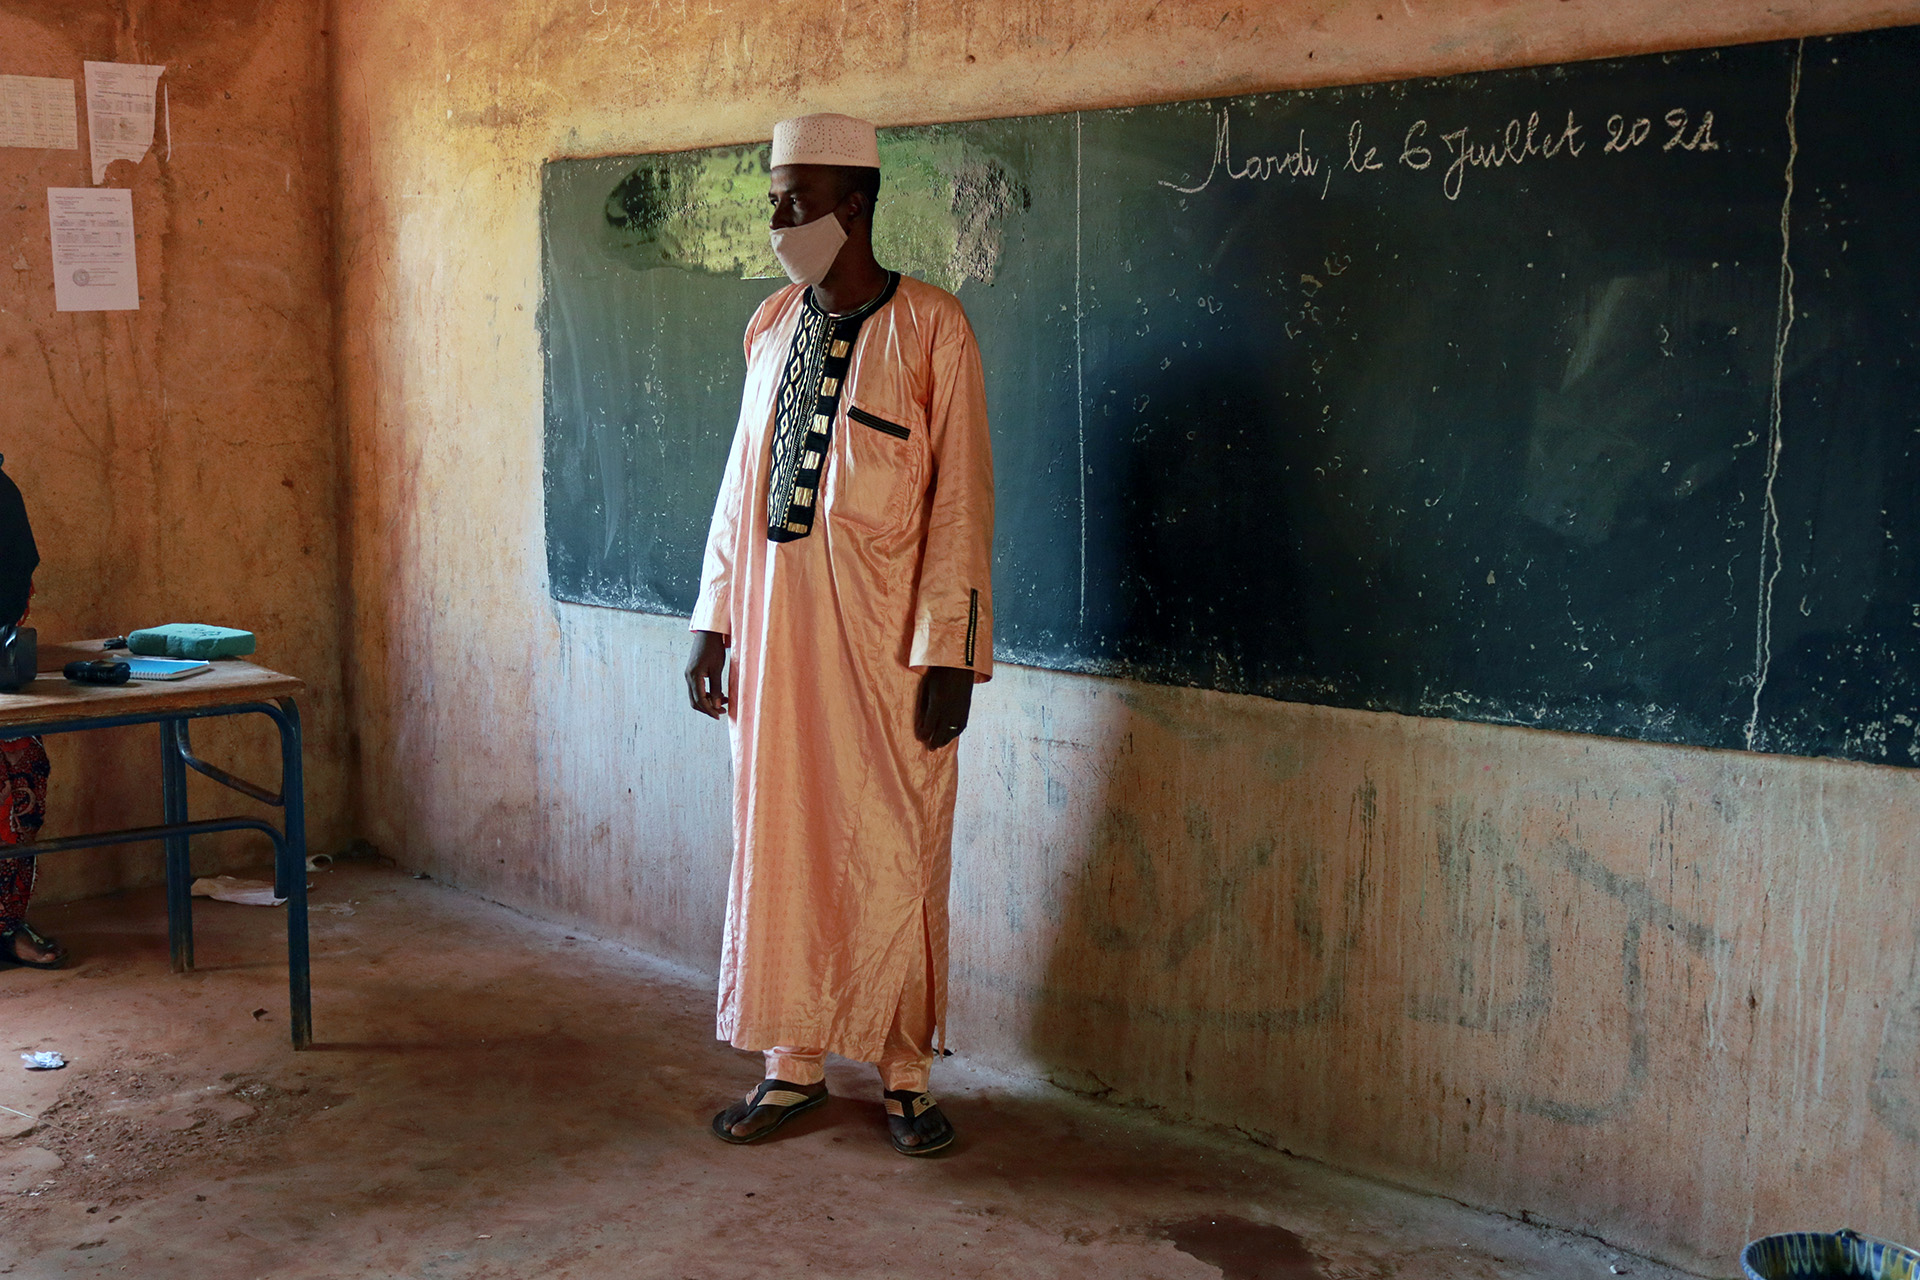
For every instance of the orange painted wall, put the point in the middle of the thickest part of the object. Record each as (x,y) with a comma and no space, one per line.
(179,461)
(1667,996)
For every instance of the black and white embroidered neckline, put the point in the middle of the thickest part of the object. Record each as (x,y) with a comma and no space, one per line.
(805,408)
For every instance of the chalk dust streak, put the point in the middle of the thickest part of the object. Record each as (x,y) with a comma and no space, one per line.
(1783,329)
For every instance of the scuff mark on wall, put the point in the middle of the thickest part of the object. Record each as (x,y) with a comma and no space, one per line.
(1489,898)
(1895,1094)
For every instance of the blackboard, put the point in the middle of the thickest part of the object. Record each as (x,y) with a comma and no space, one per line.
(1581,397)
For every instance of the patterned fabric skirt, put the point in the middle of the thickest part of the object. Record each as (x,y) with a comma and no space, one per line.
(23,807)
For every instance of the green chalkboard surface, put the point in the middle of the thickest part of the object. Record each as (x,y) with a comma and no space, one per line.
(1583,397)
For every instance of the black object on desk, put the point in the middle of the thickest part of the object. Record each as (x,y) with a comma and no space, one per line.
(99,671)
(19,656)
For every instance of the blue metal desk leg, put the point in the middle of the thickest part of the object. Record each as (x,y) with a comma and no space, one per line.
(293,874)
(173,800)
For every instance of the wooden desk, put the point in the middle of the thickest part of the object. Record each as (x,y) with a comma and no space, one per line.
(52,704)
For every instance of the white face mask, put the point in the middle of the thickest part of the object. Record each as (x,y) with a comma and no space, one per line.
(807,252)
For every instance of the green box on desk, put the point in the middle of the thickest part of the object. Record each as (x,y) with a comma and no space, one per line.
(190,640)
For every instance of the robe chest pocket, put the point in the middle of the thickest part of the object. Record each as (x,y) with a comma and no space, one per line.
(877,464)
(879,423)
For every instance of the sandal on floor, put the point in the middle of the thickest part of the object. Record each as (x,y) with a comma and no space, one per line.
(8,956)
(780,1096)
(911,1113)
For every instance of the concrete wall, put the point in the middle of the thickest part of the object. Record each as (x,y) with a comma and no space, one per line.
(179,461)
(1667,996)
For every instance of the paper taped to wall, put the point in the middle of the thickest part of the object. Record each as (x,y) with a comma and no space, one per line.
(93,259)
(38,111)
(119,112)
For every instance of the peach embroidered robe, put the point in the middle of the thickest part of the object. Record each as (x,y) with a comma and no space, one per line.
(842,819)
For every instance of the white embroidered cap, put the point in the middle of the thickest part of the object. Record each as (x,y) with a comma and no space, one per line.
(825,138)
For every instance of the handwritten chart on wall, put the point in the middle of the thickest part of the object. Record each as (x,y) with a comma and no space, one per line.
(1584,398)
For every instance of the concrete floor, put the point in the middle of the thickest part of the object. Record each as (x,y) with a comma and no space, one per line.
(491,1097)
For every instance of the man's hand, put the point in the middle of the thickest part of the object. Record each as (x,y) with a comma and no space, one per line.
(706,674)
(946,695)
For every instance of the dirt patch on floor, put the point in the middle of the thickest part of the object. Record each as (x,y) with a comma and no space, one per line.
(137,1117)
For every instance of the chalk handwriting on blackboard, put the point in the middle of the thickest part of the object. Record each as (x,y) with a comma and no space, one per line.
(1513,147)
(1355,161)
(1621,135)
(1453,152)
(1297,163)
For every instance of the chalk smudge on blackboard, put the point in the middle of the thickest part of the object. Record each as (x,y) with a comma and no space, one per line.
(944,205)
(1620,436)
(699,211)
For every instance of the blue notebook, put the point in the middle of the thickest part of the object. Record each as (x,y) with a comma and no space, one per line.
(165,668)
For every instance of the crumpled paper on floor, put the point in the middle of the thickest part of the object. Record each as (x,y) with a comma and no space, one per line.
(248,893)
(45,1060)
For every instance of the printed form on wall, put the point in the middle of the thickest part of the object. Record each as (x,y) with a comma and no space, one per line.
(119,112)
(38,111)
(93,261)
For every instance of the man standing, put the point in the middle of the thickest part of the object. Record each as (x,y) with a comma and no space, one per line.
(847,571)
